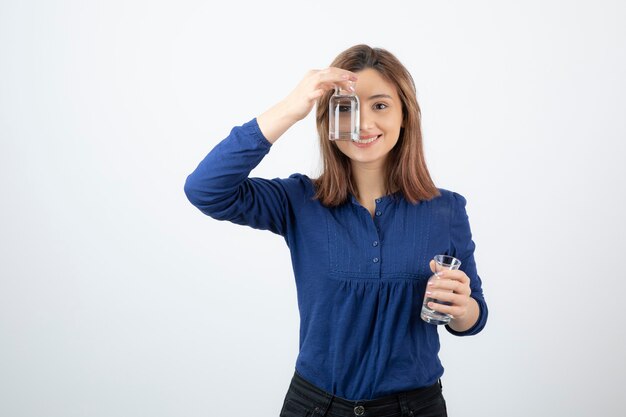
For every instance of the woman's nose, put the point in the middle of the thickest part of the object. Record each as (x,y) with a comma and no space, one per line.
(365,120)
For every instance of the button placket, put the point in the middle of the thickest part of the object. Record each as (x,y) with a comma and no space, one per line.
(376,243)
(376,251)
(376,259)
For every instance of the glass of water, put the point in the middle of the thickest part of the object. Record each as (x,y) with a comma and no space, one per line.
(442,262)
(344,115)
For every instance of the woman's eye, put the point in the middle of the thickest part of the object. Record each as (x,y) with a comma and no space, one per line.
(343,109)
(380,106)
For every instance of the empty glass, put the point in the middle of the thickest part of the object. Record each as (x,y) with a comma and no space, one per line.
(442,262)
(344,115)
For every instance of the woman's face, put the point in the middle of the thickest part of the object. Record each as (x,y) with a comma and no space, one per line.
(381,118)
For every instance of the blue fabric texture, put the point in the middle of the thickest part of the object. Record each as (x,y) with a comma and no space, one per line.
(360,279)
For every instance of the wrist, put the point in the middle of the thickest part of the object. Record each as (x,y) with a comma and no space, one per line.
(275,121)
(284,112)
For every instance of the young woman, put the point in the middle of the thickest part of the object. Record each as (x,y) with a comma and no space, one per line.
(361,238)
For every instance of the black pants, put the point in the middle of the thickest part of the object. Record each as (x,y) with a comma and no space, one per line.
(304,399)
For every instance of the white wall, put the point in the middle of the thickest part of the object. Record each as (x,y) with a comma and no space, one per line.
(119,298)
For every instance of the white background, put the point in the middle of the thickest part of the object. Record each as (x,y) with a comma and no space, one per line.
(119,298)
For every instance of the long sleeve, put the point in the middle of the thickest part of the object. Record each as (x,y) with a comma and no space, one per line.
(463,247)
(220,186)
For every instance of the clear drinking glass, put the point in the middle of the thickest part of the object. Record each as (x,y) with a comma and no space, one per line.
(442,262)
(344,115)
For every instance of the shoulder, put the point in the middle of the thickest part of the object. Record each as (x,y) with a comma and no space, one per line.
(296,186)
(299,181)
(449,206)
(450,199)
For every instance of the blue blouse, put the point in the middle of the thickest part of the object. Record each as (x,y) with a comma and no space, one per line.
(360,280)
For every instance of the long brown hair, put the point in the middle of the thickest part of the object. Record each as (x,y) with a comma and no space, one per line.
(406,169)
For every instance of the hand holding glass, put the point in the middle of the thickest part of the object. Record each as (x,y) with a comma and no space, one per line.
(442,262)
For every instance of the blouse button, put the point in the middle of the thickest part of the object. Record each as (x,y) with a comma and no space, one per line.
(378,200)
(379,213)
(375,260)
(375,243)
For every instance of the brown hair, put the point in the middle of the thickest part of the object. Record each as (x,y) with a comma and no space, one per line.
(406,169)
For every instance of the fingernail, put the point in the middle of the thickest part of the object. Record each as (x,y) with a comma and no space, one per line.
(430,283)
(429,293)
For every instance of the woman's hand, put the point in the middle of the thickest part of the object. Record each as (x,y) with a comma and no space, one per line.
(453,287)
(314,84)
(299,103)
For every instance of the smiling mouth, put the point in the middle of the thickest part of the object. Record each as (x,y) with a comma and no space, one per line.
(367,140)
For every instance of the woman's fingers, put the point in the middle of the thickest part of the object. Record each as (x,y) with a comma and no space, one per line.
(455,275)
(453,310)
(335,75)
(448,302)
(449,285)
(447,297)
(329,78)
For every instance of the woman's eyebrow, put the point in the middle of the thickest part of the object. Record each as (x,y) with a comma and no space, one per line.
(375,96)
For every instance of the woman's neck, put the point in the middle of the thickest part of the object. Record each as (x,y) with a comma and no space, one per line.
(369,180)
